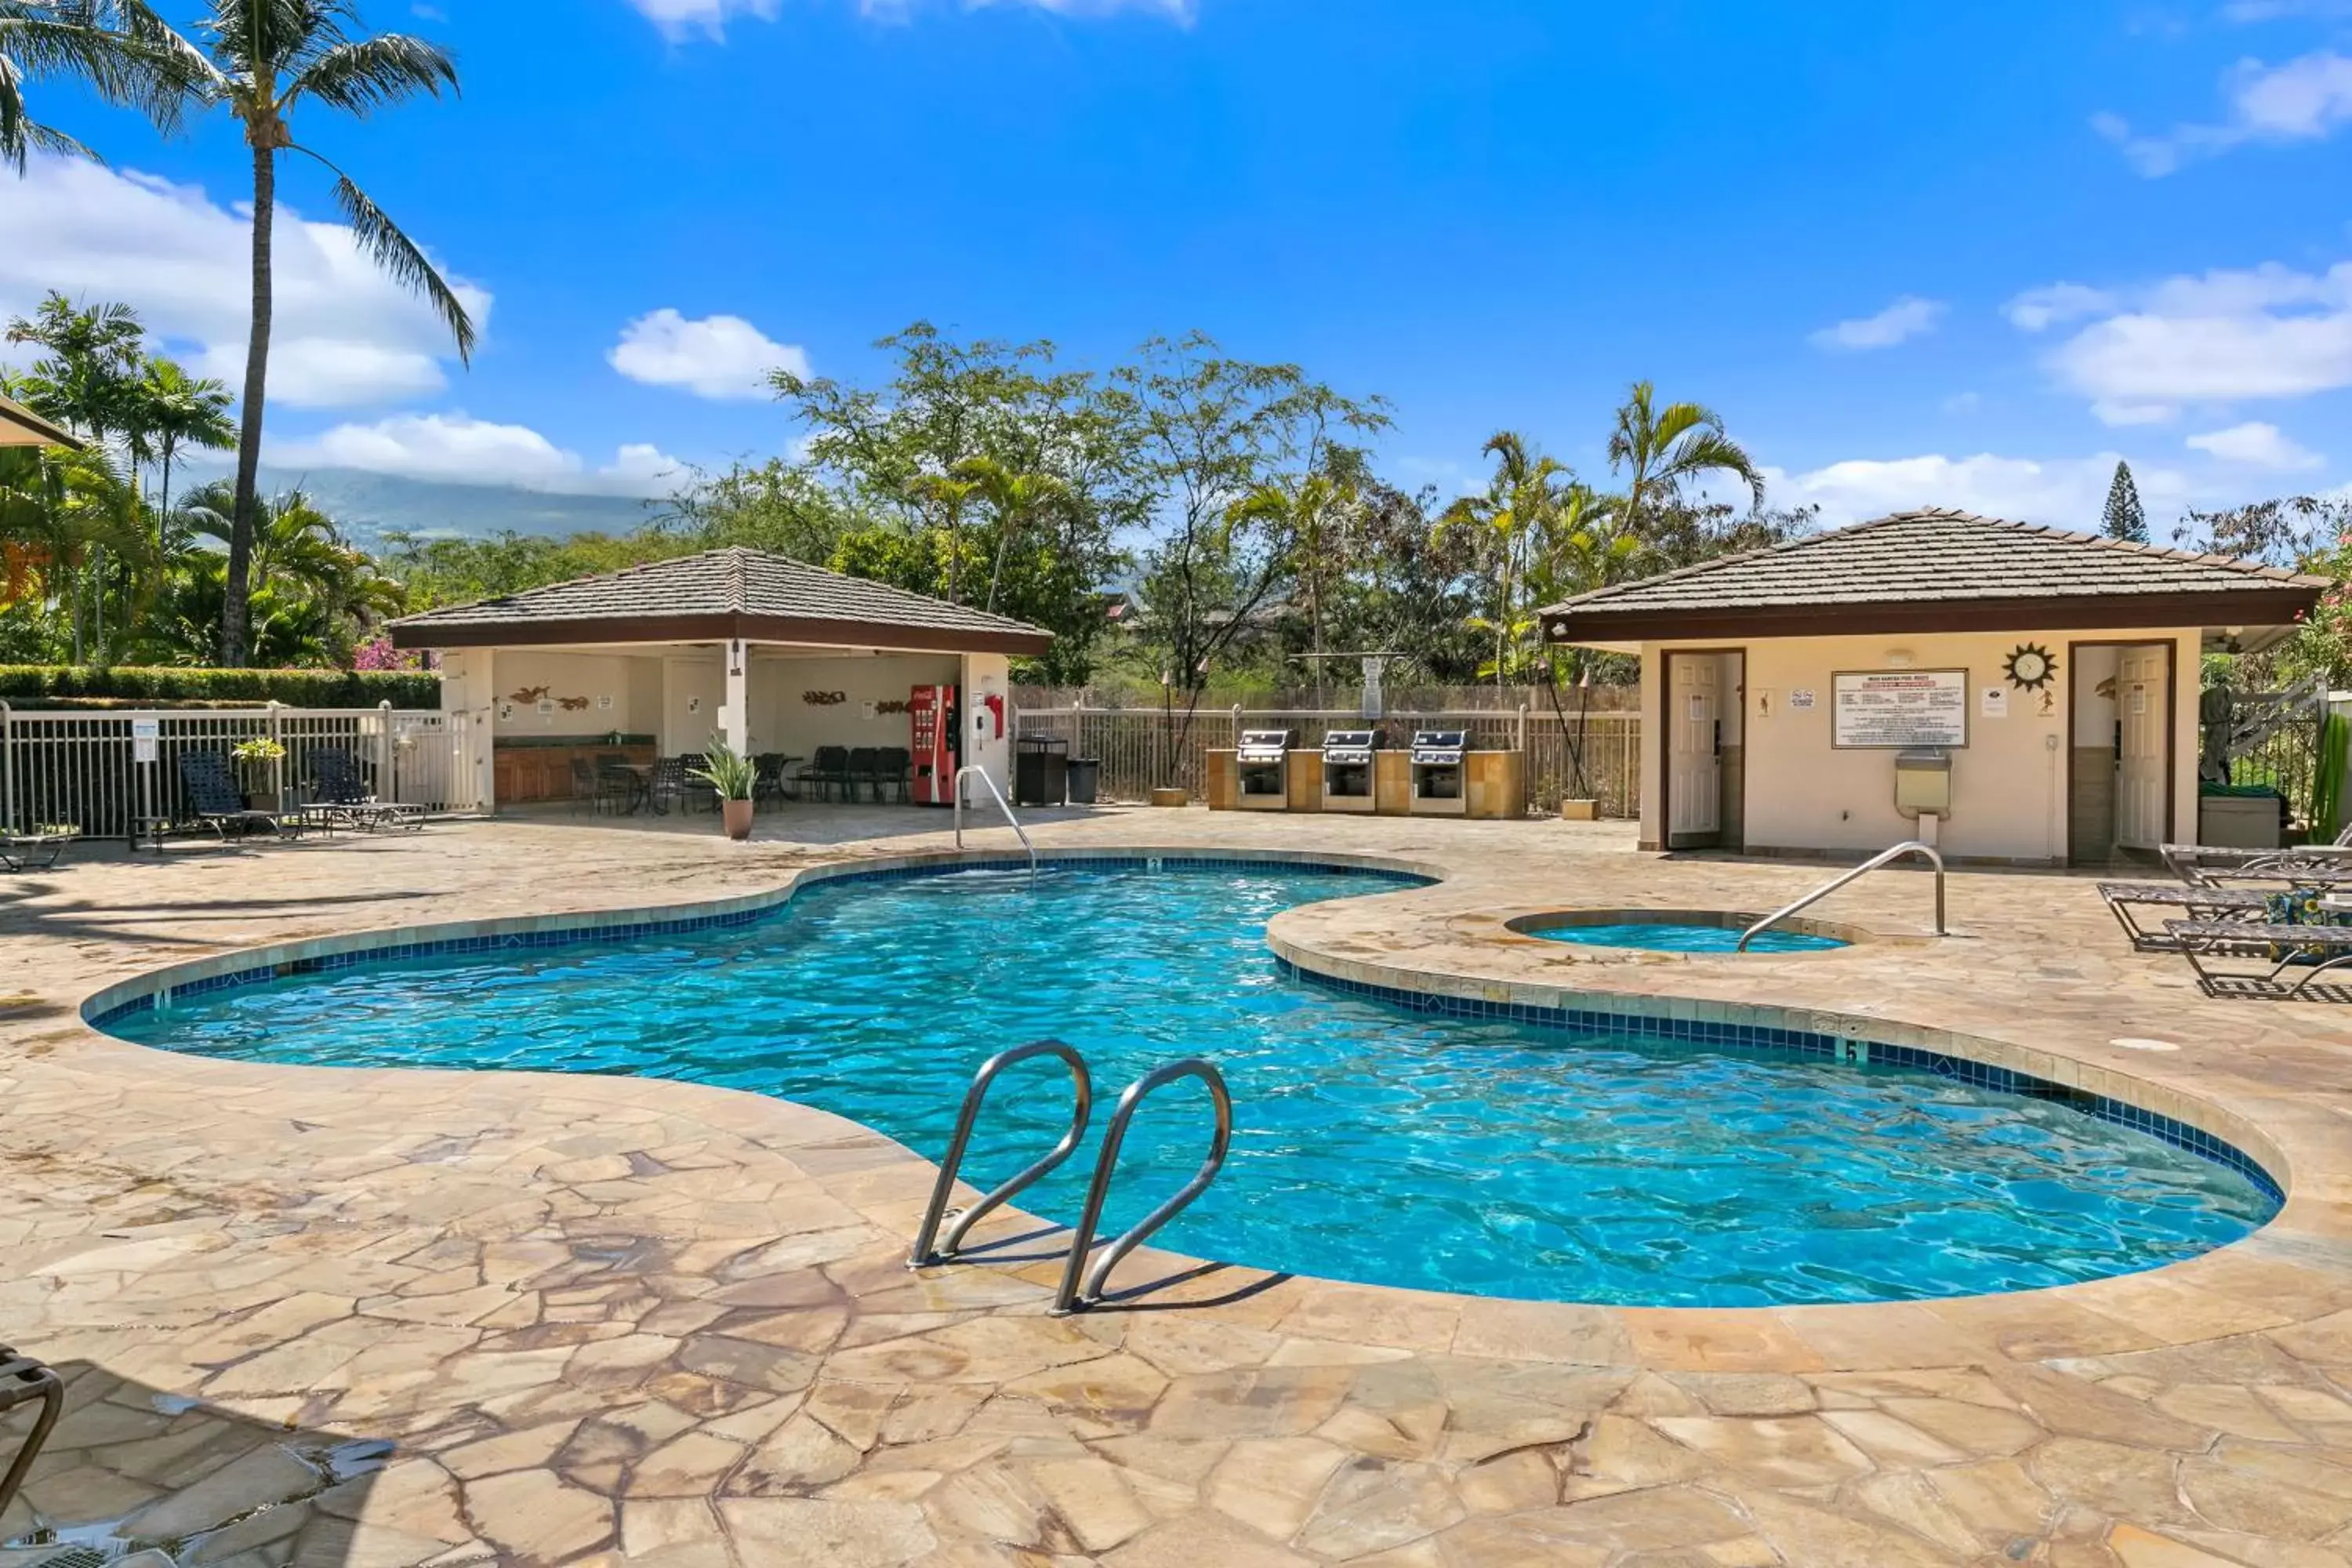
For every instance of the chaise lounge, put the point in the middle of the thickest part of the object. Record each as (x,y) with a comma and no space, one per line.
(215,802)
(344,796)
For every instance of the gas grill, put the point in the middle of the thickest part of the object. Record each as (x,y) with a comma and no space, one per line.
(1440,783)
(1348,769)
(1259,762)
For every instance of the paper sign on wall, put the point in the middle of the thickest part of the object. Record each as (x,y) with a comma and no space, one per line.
(1996,702)
(1801,700)
(145,734)
(2140,698)
(1698,708)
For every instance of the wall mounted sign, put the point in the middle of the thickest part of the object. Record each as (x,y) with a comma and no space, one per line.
(1994,703)
(145,733)
(1801,700)
(694,704)
(604,703)
(1888,709)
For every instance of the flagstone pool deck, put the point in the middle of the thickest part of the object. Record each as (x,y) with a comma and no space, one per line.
(370,1316)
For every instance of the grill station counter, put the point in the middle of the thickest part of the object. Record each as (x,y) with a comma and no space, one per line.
(1354,771)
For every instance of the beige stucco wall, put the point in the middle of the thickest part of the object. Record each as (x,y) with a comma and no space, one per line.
(2008,784)
(610,683)
(783,721)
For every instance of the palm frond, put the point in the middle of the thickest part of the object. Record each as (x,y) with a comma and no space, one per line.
(360,78)
(398,255)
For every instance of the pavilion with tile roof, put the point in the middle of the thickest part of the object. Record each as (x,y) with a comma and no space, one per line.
(2054,673)
(770,654)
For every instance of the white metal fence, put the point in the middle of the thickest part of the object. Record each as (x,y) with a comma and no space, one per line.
(1140,748)
(86,768)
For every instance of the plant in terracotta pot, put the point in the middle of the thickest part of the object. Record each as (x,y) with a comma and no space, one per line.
(257,764)
(732,775)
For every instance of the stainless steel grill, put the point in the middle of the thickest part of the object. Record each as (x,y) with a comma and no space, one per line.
(1348,769)
(1260,759)
(1439,775)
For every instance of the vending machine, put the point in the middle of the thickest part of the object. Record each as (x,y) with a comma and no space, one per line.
(933,712)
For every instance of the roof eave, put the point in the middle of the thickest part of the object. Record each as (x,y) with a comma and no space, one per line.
(424,631)
(2271,604)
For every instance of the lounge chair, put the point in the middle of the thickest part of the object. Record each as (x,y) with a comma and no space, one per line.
(214,800)
(33,851)
(2211,863)
(2178,902)
(344,797)
(2317,948)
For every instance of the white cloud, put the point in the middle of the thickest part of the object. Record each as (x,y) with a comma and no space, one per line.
(1907,317)
(343,334)
(459,449)
(2306,100)
(2063,492)
(1964,402)
(2217,337)
(2258,445)
(684,18)
(717,357)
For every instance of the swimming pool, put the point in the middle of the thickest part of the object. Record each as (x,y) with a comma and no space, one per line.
(1374,1141)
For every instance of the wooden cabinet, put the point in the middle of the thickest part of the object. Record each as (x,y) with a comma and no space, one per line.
(521,775)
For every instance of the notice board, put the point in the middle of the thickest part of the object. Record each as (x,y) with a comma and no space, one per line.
(1893,708)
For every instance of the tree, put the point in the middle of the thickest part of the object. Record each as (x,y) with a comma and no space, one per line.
(259,60)
(1018,501)
(1665,449)
(1519,504)
(107,44)
(174,410)
(2124,519)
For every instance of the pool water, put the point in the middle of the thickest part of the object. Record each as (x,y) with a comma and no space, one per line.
(1373,1142)
(1679,937)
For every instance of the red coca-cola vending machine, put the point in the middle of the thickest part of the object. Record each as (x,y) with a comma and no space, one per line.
(937,743)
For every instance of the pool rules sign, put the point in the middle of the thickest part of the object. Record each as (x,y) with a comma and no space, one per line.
(1892,709)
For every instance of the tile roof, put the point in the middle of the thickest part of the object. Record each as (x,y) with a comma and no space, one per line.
(732,581)
(1934,556)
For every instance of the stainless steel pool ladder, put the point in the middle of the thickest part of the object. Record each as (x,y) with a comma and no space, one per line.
(976,770)
(930,1248)
(1886,856)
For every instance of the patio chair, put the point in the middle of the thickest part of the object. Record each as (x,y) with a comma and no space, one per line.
(862,772)
(2177,901)
(698,791)
(668,786)
(619,787)
(2208,863)
(894,769)
(33,851)
(828,767)
(214,800)
(768,778)
(585,787)
(22,1381)
(344,795)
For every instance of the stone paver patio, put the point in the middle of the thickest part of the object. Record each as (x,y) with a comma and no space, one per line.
(325,1316)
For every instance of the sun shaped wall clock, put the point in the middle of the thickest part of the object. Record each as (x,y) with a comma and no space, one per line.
(2029,667)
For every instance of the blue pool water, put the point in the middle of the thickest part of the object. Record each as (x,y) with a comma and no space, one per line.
(1373,1142)
(1658,937)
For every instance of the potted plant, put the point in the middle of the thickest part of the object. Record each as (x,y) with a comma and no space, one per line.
(732,775)
(257,762)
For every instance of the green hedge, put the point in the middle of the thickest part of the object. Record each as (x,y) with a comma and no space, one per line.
(69,686)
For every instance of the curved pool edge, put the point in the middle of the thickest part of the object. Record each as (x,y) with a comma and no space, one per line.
(2084,1318)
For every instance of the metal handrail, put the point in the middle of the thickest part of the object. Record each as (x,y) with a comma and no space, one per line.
(1069,1298)
(1908,846)
(1011,821)
(923,1252)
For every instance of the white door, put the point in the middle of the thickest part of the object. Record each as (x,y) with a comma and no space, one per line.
(1694,772)
(2143,695)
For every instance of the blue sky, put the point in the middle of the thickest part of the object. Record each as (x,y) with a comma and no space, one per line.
(1958,254)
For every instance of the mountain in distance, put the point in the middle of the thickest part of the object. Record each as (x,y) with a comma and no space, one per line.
(369,506)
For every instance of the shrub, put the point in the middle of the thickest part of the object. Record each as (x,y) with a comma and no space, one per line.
(70,686)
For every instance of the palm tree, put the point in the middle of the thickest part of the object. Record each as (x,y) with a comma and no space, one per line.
(1017,500)
(1520,503)
(949,496)
(177,410)
(1667,448)
(259,60)
(100,42)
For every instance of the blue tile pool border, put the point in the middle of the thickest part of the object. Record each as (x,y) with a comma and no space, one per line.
(1720,1034)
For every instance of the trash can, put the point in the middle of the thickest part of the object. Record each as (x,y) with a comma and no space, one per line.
(1040,768)
(1085,779)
